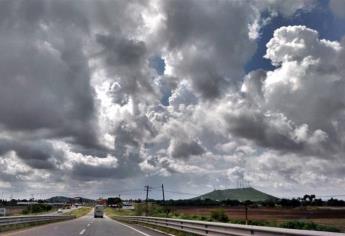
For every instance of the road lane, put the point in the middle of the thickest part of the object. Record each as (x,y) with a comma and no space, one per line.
(85,226)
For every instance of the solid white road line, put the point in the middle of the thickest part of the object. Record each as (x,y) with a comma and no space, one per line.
(133,228)
(82,232)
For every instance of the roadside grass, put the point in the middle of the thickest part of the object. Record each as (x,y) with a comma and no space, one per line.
(338,223)
(79,212)
(37,209)
(35,213)
(317,225)
(113,212)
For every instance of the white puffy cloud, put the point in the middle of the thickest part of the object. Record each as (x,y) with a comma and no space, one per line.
(308,86)
(80,103)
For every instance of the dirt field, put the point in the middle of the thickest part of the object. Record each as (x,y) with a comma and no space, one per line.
(326,216)
(269,213)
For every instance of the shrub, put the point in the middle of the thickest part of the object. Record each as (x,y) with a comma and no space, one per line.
(36,208)
(219,215)
(151,209)
(307,226)
(139,209)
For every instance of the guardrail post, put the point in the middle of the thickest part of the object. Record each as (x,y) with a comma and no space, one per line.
(206,231)
(181,225)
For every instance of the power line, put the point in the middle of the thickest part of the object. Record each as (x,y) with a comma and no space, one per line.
(182,193)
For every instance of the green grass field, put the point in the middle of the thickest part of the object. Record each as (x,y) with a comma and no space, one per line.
(79,212)
(112,212)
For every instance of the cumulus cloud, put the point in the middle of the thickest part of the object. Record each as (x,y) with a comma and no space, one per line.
(81,101)
(197,42)
(307,86)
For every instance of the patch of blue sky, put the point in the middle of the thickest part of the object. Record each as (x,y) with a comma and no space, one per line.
(158,64)
(319,18)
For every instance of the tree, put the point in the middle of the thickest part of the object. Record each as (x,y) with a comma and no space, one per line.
(115,201)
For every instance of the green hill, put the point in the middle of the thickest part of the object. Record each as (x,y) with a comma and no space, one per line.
(240,194)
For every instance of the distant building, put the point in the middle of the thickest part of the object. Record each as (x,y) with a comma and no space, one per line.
(128,205)
(101,201)
(26,203)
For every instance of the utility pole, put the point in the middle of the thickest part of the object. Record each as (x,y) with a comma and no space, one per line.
(164,205)
(163,193)
(147,188)
(246,209)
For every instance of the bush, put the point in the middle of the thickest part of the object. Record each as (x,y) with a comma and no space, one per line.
(151,209)
(36,209)
(219,215)
(307,226)
(139,209)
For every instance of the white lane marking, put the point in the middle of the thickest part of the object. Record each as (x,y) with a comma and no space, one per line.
(82,232)
(88,225)
(133,228)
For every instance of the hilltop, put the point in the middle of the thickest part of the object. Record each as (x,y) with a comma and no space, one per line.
(240,194)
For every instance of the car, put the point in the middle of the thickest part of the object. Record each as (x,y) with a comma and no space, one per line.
(98,212)
(59,210)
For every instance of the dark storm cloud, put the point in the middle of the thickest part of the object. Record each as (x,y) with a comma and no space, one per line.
(36,154)
(182,149)
(126,62)
(46,78)
(87,172)
(201,41)
(255,126)
(130,136)
(122,52)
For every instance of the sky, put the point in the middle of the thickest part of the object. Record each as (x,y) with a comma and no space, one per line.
(100,98)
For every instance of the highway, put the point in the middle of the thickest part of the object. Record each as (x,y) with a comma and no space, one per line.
(86,226)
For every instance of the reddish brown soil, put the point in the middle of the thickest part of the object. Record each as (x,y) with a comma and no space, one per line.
(268,213)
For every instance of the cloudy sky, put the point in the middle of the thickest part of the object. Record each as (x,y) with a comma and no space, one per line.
(101,97)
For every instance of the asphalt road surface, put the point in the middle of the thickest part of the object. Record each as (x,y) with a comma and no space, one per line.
(86,226)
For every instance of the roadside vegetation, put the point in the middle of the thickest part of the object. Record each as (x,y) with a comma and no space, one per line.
(36,209)
(217,215)
(79,212)
(114,212)
(307,212)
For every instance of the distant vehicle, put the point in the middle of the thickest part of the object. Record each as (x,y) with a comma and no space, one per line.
(59,211)
(98,211)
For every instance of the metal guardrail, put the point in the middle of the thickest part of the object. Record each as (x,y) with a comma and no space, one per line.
(221,229)
(14,220)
